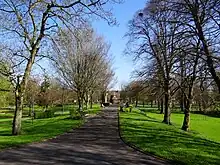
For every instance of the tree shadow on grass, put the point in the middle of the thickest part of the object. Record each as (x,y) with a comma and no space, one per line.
(154,110)
(169,142)
(95,143)
(147,119)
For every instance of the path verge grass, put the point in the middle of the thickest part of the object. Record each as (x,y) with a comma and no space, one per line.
(148,133)
(40,130)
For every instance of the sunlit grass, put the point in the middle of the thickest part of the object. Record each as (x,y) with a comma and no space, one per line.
(206,126)
(146,131)
(40,129)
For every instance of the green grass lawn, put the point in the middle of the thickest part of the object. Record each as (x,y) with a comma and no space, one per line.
(204,125)
(41,129)
(200,146)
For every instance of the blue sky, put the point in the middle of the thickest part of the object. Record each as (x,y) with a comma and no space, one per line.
(122,64)
(115,35)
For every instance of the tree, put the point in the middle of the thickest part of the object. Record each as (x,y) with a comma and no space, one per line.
(153,37)
(177,40)
(31,24)
(5,91)
(201,19)
(31,93)
(44,94)
(81,60)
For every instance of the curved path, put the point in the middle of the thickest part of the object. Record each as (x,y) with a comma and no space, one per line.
(95,143)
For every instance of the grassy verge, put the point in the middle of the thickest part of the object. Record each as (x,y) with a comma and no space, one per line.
(149,134)
(41,129)
(204,125)
(95,109)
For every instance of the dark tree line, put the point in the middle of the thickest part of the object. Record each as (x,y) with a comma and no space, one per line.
(178,43)
(27,28)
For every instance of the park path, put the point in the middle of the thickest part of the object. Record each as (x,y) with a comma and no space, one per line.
(95,143)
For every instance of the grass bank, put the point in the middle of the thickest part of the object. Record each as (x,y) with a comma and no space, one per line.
(40,129)
(198,147)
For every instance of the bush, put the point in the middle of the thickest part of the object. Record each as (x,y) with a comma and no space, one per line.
(59,105)
(75,114)
(106,104)
(43,115)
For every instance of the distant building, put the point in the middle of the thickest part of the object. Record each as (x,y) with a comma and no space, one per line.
(112,97)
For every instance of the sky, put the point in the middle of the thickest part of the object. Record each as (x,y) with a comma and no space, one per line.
(122,64)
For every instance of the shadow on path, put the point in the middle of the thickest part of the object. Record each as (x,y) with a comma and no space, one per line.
(95,143)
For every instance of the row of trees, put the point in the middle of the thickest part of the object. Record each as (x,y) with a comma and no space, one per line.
(43,91)
(83,64)
(27,29)
(47,92)
(40,91)
(205,100)
(178,44)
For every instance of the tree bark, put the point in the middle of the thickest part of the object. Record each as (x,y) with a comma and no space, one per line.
(158,105)
(79,103)
(86,103)
(182,103)
(183,70)
(82,106)
(103,97)
(186,120)
(166,119)
(16,126)
(200,107)
(91,101)
(161,104)
(136,102)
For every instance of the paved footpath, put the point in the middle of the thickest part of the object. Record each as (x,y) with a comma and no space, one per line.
(95,143)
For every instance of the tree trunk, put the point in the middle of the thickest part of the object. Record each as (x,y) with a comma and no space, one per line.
(158,105)
(188,104)
(86,104)
(91,101)
(200,104)
(161,104)
(167,104)
(136,102)
(82,106)
(103,97)
(143,103)
(167,109)
(186,120)
(183,70)
(151,104)
(182,103)
(29,111)
(79,103)
(16,126)
(20,90)
(63,100)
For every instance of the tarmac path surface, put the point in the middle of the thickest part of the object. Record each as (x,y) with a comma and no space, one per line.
(97,142)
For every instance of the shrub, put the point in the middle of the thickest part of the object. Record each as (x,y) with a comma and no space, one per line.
(43,115)
(75,114)
(106,104)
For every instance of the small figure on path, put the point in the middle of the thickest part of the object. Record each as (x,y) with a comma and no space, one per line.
(130,108)
(127,104)
(121,106)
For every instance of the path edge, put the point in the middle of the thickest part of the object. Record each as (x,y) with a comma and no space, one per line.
(138,149)
(51,138)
